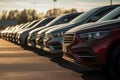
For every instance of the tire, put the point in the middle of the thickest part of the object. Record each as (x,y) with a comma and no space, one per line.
(114,64)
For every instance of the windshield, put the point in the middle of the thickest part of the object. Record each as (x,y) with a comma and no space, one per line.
(84,16)
(114,14)
(54,21)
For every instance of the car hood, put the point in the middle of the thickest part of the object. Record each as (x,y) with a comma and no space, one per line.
(39,29)
(49,28)
(91,25)
(23,30)
(44,30)
(60,27)
(34,30)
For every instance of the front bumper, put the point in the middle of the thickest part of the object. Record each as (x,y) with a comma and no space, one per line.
(22,41)
(39,43)
(84,57)
(53,47)
(53,44)
(51,50)
(68,58)
(31,43)
(87,53)
(55,53)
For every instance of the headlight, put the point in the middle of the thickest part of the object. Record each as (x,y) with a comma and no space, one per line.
(93,35)
(47,36)
(58,34)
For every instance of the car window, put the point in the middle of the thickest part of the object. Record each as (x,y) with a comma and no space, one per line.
(117,16)
(54,21)
(112,15)
(61,19)
(83,16)
(66,20)
(99,14)
(45,22)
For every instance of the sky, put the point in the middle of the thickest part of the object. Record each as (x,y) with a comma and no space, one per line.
(44,5)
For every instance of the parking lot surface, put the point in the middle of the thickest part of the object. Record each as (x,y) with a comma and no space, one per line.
(17,63)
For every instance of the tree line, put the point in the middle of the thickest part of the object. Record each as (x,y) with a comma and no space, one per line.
(30,15)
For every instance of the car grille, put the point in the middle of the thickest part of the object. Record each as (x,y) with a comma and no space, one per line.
(68,38)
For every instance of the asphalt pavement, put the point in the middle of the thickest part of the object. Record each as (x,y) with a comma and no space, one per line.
(17,63)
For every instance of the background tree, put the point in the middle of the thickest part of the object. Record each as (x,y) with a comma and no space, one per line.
(13,14)
(4,15)
(30,15)
(41,15)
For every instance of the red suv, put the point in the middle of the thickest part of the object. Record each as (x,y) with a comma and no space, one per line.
(95,44)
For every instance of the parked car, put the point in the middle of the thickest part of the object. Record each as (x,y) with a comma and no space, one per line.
(32,33)
(7,34)
(14,33)
(40,36)
(95,45)
(13,30)
(18,34)
(65,18)
(54,38)
(24,33)
(3,32)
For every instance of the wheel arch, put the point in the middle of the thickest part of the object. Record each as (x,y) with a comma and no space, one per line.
(111,48)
